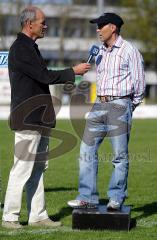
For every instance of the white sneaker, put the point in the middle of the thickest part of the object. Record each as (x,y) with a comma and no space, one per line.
(13,225)
(81,204)
(113,205)
(46,223)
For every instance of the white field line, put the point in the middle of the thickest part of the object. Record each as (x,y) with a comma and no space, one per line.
(36,231)
(144,111)
(144,223)
(140,223)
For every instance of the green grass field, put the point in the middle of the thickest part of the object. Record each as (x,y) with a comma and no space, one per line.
(61,181)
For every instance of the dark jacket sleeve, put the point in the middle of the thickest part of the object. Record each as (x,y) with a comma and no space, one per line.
(27,61)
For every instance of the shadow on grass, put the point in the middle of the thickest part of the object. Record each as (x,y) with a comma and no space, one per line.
(60,189)
(64,212)
(147,210)
(133,222)
(24,223)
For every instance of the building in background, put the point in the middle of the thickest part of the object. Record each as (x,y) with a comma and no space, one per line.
(69,35)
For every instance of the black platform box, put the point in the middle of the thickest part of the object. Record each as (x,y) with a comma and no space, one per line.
(100,218)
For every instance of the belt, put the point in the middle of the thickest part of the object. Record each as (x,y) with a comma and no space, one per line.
(104,99)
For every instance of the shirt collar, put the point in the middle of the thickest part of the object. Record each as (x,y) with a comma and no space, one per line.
(117,44)
(119,41)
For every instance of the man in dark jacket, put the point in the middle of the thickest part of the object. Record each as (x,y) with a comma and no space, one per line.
(32,117)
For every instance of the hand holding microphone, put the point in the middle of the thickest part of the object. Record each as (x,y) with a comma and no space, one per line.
(82,68)
(93,52)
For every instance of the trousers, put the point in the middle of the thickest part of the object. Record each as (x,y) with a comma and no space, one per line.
(30,161)
(113,120)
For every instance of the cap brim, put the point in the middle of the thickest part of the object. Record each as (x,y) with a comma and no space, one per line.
(95,20)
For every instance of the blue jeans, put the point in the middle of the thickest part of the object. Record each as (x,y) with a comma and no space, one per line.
(112,120)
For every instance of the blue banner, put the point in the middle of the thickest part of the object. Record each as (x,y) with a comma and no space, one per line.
(3,59)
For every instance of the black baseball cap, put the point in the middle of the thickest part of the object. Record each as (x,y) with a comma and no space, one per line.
(107,18)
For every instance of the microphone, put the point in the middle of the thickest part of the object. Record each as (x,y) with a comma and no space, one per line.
(93,52)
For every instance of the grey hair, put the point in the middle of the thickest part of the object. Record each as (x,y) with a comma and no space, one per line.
(28,13)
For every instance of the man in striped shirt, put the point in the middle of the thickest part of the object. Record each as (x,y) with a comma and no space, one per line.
(120,89)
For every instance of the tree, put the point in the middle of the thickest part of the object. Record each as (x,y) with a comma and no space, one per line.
(141,25)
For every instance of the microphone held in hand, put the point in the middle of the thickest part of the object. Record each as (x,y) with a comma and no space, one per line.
(93,52)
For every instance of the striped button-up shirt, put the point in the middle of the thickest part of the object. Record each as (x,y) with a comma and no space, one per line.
(120,71)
